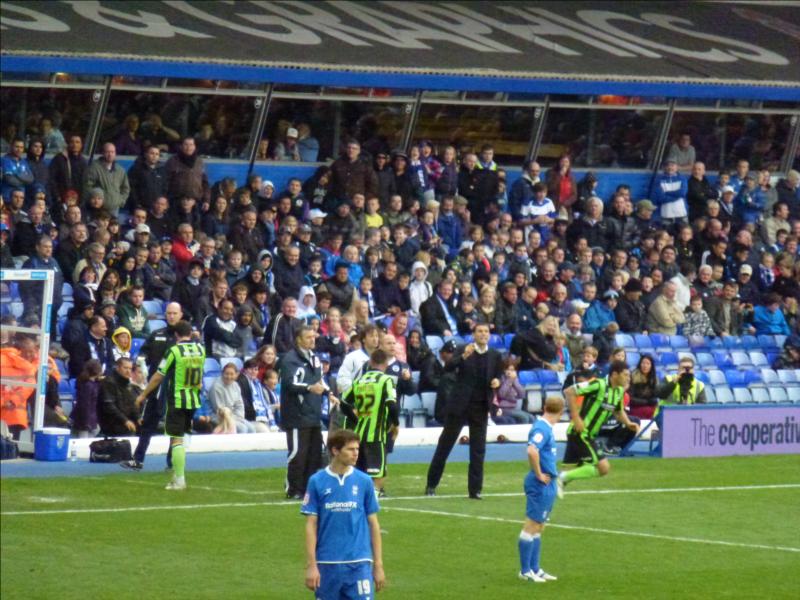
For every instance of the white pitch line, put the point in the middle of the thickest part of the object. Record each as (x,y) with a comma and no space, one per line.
(212,489)
(384,500)
(600,530)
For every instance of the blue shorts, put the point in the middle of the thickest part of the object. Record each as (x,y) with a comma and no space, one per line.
(539,498)
(345,581)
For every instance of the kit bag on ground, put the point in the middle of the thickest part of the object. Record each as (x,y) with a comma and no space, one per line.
(110,450)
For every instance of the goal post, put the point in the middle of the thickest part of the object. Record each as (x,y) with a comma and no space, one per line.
(41,334)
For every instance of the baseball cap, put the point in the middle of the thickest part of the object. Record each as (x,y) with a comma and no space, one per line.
(449,346)
(728,190)
(610,294)
(645,205)
(746,269)
(324,357)
(291,132)
(142,228)
(316,213)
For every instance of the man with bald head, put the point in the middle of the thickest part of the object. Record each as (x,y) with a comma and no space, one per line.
(153,350)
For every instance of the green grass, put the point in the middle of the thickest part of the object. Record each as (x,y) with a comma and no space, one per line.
(255,549)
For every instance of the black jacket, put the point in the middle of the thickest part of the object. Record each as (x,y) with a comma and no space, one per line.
(341,293)
(534,349)
(156,346)
(630,315)
(620,231)
(300,408)
(697,195)
(387,293)
(117,405)
(288,279)
(469,379)
(433,317)
(146,183)
(191,297)
(281,331)
(66,173)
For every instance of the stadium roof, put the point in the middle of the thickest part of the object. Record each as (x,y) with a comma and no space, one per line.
(691,49)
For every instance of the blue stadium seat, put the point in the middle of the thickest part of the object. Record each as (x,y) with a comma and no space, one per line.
(793,393)
(434,342)
(64,309)
(154,307)
(679,342)
(66,291)
(643,342)
(136,345)
(61,325)
(698,343)
(769,377)
(760,395)
(237,362)
(758,359)
(752,377)
(716,377)
(787,376)
(528,378)
(668,359)
(548,378)
(703,376)
(66,388)
(412,402)
(212,368)
(496,342)
(429,402)
(507,339)
(715,343)
(772,355)
(722,359)
(62,368)
(208,381)
(742,395)
(724,394)
(750,342)
(468,339)
(740,359)
(767,342)
(157,324)
(735,378)
(778,394)
(632,358)
(711,396)
(625,340)
(780,340)
(659,340)
(705,360)
(732,342)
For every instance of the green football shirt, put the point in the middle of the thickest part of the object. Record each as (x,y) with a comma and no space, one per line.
(369,396)
(600,401)
(182,367)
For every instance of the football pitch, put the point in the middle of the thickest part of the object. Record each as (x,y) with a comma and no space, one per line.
(692,528)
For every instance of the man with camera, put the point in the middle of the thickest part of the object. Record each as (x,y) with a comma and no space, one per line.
(683,388)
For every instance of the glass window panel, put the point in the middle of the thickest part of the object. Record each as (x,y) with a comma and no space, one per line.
(63,78)
(600,138)
(131,80)
(782,104)
(494,96)
(468,127)
(378,126)
(696,101)
(446,94)
(206,84)
(524,97)
(578,98)
(38,77)
(221,124)
(52,114)
(301,89)
(720,139)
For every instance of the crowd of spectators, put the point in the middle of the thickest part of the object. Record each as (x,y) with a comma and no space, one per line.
(420,242)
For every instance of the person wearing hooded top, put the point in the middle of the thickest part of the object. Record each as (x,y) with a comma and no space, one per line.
(600,313)
(306,303)
(419,290)
(121,339)
(289,276)
(187,291)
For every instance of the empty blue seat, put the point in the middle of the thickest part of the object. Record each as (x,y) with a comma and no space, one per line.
(732,342)
(412,402)
(735,378)
(659,340)
(769,377)
(760,394)
(212,367)
(698,343)
(507,339)
(793,393)
(753,377)
(740,359)
(716,377)
(711,396)
(715,343)
(642,341)
(679,342)
(64,309)
(758,359)
(705,360)
(625,340)
(62,368)
(787,376)
(429,402)
(528,378)
(668,359)
(632,358)
(136,345)
(750,342)
(778,394)
(548,378)
(66,388)
(703,376)
(780,340)
(496,342)
(237,362)
(154,307)
(724,394)
(772,355)
(434,342)
(722,359)
(157,324)
(767,342)
(208,381)
(742,395)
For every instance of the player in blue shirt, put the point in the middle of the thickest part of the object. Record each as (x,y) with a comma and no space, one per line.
(540,490)
(343,537)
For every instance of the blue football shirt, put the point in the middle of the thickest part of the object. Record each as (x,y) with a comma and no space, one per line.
(342,505)
(541,436)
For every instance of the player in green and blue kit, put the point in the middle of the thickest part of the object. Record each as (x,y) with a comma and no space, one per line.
(343,537)
(602,397)
(182,371)
(540,490)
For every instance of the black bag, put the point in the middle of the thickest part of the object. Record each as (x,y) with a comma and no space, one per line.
(110,450)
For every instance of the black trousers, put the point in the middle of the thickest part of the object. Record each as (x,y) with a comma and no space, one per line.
(476,418)
(151,416)
(305,457)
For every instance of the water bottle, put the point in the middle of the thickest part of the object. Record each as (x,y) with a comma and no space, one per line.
(73,451)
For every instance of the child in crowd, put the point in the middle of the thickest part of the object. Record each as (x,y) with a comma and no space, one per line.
(697,320)
(509,396)
(244,331)
(466,314)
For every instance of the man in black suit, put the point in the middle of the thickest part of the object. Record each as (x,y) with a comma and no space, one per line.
(478,369)
(437,314)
